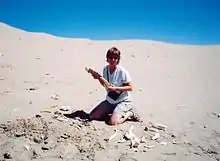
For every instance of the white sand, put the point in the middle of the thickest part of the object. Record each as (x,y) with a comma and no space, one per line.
(176,85)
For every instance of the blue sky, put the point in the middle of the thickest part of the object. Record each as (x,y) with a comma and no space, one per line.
(175,21)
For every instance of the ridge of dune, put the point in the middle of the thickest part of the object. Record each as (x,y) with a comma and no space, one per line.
(5,28)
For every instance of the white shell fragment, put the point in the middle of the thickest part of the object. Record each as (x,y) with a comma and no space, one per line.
(174,142)
(65,108)
(54,96)
(159,126)
(143,140)
(135,149)
(122,140)
(112,136)
(27,147)
(62,119)
(149,146)
(156,136)
(151,129)
(135,141)
(163,143)
(77,126)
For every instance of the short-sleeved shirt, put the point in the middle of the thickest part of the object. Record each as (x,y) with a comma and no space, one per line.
(117,78)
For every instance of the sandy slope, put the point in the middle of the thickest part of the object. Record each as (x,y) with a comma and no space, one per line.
(177,85)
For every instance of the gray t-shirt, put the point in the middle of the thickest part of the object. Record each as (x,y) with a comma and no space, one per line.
(117,78)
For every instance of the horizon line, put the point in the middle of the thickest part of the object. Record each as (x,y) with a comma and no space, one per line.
(118,39)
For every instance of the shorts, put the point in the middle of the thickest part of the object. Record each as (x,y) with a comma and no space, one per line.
(120,108)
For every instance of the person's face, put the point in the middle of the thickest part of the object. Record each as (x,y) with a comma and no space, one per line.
(112,60)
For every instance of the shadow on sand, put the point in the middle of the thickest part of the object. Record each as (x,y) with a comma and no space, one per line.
(84,117)
(79,114)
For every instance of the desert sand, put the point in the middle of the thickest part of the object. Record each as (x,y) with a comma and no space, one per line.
(174,85)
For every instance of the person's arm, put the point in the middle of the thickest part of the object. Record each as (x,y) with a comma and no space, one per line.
(127,83)
(125,87)
(101,81)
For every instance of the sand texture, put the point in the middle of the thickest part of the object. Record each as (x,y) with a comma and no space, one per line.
(174,85)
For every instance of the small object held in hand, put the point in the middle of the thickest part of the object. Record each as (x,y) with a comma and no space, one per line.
(91,71)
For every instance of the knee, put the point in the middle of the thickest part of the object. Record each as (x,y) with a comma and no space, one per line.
(113,120)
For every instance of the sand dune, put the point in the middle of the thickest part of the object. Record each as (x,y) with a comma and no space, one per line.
(176,85)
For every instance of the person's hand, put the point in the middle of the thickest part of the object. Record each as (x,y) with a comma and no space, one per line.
(112,88)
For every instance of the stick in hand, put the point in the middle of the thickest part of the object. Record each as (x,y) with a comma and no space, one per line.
(91,71)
